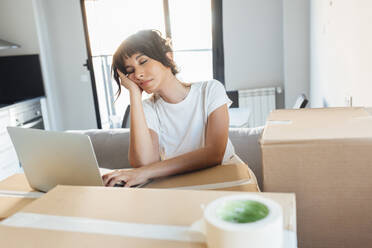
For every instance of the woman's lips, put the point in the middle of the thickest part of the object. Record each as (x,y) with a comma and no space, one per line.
(144,83)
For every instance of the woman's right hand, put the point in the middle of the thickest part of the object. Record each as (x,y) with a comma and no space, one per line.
(127,83)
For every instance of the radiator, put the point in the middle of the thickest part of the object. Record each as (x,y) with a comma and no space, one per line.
(260,102)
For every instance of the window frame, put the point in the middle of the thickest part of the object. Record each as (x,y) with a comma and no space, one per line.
(217,41)
(89,64)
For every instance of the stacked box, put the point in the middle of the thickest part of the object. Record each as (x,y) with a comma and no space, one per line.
(324,156)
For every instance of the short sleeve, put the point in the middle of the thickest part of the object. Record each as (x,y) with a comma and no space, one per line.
(152,119)
(216,96)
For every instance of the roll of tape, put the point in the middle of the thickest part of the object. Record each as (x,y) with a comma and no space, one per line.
(243,221)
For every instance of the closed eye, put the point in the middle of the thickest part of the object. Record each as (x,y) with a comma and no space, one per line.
(129,71)
(143,61)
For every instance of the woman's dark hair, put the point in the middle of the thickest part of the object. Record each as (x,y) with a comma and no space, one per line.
(148,42)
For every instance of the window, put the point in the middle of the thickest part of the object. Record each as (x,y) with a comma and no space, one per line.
(109,22)
(191,32)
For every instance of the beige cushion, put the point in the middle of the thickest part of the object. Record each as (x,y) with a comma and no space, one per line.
(247,147)
(110,146)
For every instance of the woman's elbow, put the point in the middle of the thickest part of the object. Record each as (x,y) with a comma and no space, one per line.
(134,164)
(219,157)
(216,156)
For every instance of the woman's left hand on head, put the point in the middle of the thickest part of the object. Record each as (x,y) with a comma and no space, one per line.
(130,177)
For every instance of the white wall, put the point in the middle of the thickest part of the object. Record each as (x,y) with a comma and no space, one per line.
(253,43)
(17,25)
(296,49)
(53,29)
(341,52)
(63,47)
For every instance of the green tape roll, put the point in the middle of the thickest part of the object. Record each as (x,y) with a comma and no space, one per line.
(242,211)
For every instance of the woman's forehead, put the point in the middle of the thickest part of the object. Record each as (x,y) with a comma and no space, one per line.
(133,58)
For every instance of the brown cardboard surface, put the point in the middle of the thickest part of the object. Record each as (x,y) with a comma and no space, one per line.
(330,176)
(10,205)
(152,206)
(309,125)
(213,175)
(35,238)
(243,188)
(17,182)
(307,114)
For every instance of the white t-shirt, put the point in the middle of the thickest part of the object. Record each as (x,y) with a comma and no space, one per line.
(181,127)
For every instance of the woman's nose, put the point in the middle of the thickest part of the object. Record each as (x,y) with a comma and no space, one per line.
(139,74)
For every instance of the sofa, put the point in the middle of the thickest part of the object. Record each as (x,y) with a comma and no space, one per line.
(111,147)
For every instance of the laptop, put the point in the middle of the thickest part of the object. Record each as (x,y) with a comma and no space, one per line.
(50,158)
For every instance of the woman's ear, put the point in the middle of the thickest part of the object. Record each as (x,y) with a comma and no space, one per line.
(169,55)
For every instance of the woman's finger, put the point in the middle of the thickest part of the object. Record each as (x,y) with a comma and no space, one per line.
(117,179)
(128,184)
(107,177)
(120,73)
(112,181)
(124,80)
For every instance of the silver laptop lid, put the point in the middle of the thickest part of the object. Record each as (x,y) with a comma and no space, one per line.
(51,158)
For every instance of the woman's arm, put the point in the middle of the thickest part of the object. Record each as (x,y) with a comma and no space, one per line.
(210,155)
(144,146)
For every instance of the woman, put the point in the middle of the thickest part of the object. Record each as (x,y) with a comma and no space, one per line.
(182,127)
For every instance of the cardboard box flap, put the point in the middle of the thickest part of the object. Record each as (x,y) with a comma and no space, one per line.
(307,114)
(11,205)
(213,175)
(14,195)
(153,206)
(16,182)
(308,125)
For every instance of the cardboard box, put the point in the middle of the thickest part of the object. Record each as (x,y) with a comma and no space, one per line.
(15,193)
(325,157)
(231,177)
(179,208)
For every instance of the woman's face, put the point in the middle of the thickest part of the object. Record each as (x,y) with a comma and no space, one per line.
(146,72)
